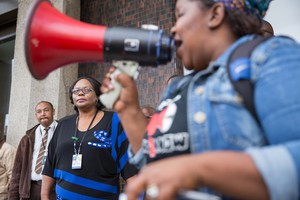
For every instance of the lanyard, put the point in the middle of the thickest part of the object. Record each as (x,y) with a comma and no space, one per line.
(75,138)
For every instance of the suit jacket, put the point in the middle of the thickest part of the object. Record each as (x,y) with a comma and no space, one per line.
(21,175)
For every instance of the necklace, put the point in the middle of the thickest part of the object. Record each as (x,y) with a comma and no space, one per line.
(75,138)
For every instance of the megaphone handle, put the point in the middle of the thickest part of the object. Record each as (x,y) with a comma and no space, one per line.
(108,99)
(128,67)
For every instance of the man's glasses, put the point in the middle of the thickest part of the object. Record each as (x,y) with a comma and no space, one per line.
(85,90)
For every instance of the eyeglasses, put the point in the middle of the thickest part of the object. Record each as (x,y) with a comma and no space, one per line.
(85,90)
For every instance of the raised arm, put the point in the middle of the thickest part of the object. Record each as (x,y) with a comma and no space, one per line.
(127,106)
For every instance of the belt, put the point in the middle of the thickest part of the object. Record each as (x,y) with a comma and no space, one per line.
(37,182)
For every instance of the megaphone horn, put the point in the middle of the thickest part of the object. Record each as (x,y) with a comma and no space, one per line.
(53,39)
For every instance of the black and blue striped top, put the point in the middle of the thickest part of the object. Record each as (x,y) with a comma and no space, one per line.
(104,159)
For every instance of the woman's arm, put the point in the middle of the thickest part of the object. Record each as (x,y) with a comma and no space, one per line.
(47,187)
(127,106)
(279,165)
(230,173)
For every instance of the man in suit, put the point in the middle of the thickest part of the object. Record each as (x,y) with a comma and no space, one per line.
(31,154)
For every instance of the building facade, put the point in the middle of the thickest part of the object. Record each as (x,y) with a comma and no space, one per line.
(25,91)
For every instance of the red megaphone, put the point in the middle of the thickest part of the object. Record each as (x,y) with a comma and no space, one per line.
(53,40)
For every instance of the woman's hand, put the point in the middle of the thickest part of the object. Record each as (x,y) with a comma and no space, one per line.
(167,175)
(128,98)
(230,173)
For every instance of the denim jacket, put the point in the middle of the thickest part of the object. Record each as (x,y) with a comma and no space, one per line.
(218,120)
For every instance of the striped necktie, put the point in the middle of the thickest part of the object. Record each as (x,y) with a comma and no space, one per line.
(40,159)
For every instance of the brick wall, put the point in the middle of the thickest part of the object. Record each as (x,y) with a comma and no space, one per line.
(132,13)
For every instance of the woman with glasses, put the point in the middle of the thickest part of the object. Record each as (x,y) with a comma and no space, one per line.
(88,152)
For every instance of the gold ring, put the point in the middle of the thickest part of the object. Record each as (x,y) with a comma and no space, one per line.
(152,191)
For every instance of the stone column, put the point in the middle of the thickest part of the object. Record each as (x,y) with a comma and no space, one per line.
(26,91)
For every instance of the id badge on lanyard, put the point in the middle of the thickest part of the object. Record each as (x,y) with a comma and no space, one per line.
(76,161)
(77,157)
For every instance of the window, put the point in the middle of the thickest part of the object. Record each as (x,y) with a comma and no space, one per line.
(8,19)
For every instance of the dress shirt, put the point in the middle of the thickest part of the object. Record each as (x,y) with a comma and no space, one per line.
(40,131)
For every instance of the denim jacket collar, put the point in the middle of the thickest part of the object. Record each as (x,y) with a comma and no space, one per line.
(222,60)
